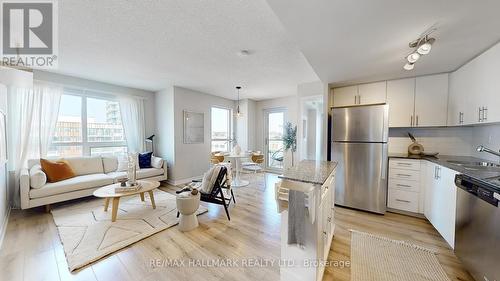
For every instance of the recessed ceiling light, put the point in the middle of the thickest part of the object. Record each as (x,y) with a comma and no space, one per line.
(409,66)
(412,58)
(244,53)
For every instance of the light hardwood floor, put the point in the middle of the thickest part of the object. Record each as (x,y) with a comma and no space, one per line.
(32,250)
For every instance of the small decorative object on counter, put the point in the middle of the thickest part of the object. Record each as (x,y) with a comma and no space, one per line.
(415,148)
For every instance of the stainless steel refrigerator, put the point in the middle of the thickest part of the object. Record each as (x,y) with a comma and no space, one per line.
(359,145)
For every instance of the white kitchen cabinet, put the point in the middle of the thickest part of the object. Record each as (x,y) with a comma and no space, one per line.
(400,97)
(345,96)
(440,200)
(372,93)
(431,100)
(404,185)
(474,90)
(364,94)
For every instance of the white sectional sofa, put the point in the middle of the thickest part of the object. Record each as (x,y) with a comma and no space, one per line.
(92,173)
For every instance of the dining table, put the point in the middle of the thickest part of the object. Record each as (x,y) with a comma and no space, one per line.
(237,181)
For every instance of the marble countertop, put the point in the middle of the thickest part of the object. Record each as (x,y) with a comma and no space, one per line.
(310,171)
(482,175)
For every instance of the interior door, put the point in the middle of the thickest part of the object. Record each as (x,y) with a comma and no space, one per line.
(274,126)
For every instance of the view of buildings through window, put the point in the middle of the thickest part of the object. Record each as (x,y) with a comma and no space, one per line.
(221,129)
(88,126)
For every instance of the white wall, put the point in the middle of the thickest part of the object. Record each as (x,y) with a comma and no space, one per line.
(105,88)
(164,140)
(186,161)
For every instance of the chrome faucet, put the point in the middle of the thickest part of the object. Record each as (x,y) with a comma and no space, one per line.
(485,149)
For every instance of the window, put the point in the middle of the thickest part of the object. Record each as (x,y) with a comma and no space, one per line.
(88,126)
(221,129)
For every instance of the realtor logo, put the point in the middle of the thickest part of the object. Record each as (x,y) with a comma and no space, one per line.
(29,33)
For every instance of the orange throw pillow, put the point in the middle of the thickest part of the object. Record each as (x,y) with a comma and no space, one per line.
(57,170)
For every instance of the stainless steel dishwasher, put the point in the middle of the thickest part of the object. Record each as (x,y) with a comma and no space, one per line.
(477,236)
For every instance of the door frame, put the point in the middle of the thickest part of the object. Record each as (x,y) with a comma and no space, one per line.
(265,134)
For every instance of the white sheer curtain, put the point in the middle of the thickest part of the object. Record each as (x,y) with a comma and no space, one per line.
(33,117)
(132,111)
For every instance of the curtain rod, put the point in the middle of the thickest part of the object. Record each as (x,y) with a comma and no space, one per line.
(84,89)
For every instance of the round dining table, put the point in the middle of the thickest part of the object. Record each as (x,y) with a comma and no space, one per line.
(237,181)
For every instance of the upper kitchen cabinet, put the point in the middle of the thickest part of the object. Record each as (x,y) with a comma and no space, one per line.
(372,93)
(345,96)
(431,100)
(401,97)
(474,90)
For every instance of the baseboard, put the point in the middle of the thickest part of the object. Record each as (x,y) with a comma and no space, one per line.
(182,181)
(3,228)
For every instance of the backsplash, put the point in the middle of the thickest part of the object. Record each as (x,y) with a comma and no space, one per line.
(446,141)
(460,141)
(489,136)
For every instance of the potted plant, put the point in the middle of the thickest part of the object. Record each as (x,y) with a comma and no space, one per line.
(290,138)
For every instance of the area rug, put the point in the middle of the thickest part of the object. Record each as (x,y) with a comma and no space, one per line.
(87,233)
(375,258)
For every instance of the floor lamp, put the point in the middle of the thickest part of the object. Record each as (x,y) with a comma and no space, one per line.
(150,140)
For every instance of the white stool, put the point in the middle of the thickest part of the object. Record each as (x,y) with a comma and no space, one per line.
(187,205)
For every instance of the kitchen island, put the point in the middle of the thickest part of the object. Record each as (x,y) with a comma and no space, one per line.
(305,251)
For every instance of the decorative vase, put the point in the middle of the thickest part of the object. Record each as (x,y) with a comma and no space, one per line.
(131,171)
(237,149)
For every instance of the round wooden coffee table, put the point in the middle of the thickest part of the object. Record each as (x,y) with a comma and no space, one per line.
(108,192)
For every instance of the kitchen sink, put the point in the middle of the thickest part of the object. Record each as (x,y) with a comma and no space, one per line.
(477,165)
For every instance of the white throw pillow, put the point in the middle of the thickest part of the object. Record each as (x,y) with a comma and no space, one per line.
(156,162)
(37,177)
(123,163)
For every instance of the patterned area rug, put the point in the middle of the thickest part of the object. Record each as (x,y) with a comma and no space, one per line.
(87,233)
(375,258)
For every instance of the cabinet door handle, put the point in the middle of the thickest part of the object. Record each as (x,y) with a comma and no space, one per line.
(403,185)
(416,121)
(438,172)
(411,120)
(485,113)
(435,172)
(404,175)
(460,117)
(404,201)
(480,119)
(404,164)
(355,99)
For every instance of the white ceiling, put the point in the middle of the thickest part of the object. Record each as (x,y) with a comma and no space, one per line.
(194,44)
(350,41)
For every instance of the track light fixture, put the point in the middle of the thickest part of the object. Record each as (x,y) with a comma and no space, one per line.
(422,46)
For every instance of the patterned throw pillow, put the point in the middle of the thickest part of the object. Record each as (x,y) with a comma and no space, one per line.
(145,160)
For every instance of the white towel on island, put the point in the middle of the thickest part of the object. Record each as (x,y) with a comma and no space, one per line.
(296,218)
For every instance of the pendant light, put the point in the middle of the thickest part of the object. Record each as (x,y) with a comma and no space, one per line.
(238,112)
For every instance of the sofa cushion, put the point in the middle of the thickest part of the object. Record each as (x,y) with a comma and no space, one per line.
(145,160)
(58,170)
(117,175)
(73,184)
(110,164)
(149,172)
(156,162)
(86,165)
(37,177)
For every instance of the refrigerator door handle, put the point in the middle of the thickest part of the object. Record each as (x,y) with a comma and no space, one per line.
(385,160)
